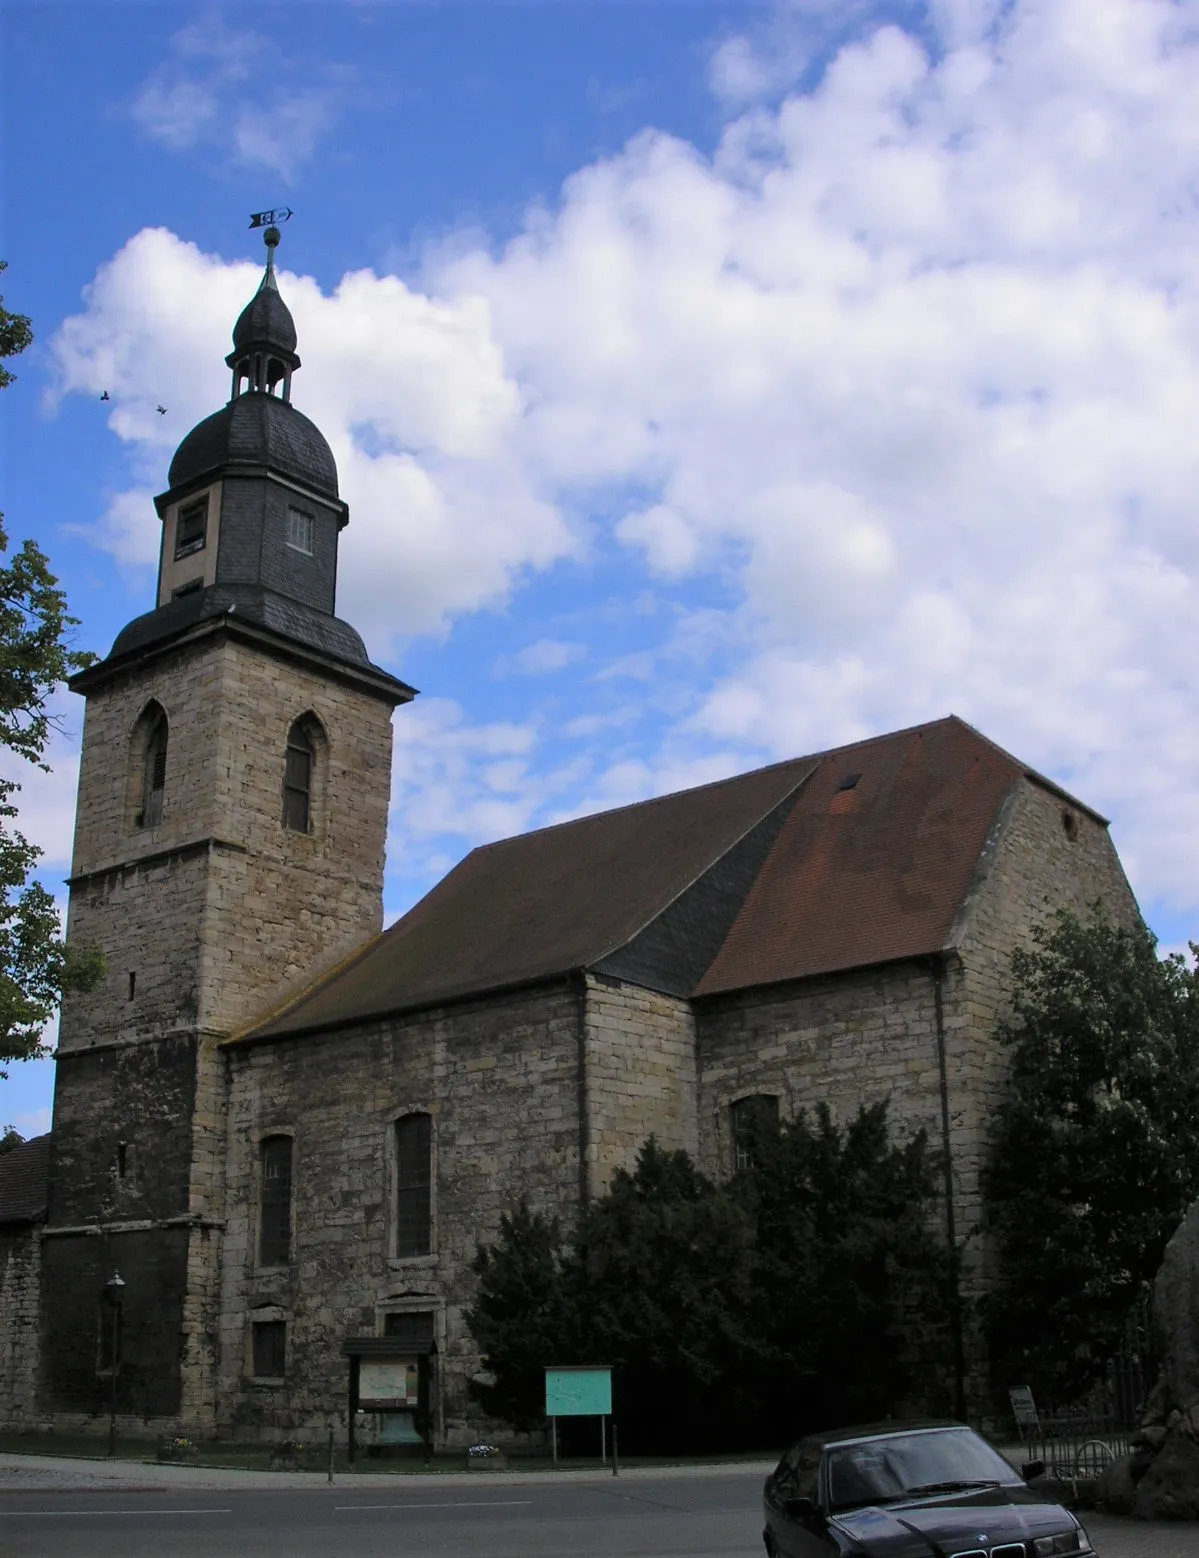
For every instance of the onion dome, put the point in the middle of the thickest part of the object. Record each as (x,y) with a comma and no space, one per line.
(259,432)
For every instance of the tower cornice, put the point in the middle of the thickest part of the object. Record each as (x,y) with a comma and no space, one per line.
(367,678)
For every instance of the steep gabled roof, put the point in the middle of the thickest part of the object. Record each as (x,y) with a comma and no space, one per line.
(24,1176)
(857,856)
(871,873)
(544,903)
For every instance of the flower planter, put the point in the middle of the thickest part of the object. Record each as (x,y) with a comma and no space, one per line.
(494,1460)
(179,1451)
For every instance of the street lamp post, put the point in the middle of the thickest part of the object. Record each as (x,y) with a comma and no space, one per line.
(112,1290)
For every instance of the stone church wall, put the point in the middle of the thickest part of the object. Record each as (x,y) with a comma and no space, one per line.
(500,1079)
(20,1276)
(844,1040)
(272,907)
(641,1075)
(1045,854)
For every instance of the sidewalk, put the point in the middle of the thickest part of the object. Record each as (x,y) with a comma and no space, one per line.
(30,1472)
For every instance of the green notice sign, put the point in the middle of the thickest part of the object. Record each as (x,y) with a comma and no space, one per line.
(578,1392)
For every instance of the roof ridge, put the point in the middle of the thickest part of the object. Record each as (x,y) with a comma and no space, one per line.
(713,861)
(649,800)
(746,773)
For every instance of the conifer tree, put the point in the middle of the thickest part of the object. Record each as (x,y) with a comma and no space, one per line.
(1097,1147)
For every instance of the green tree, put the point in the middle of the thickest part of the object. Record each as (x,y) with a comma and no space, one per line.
(662,1285)
(1096,1155)
(10,1137)
(16,333)
(731,1314)
(521,1318)
(852,1282)
(36,967)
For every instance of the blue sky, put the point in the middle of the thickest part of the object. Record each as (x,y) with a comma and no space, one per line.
(709,383)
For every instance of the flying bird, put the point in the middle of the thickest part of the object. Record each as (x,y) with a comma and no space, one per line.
(162,411)
(105,396)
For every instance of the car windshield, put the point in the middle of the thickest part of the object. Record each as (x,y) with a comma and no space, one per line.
(881,1471)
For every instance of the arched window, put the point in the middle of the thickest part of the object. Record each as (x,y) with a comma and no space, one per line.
(151,741)
(274,1240)
(750,1119)
(299,774)
(414,1185)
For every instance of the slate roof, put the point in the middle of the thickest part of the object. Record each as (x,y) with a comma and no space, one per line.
(257,429)
(784,873)
(24,1177)
(266,320)
(251,603)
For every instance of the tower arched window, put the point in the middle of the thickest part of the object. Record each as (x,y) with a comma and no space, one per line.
(304,741)
(414,1185)
(151,740)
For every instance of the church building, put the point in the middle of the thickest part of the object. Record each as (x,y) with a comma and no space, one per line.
(286,1130)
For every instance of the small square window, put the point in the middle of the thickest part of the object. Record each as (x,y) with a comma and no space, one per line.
(270,1348)
(299,531)
(191,528)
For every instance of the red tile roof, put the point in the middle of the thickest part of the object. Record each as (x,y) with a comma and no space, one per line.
(779,874)
(873,873)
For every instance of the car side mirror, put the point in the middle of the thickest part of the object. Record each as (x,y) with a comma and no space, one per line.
(803,1509)
(1032,1469)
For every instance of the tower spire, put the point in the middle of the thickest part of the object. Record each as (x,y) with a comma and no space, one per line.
(264,356)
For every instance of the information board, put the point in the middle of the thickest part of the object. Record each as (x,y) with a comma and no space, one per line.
(388,1383)
(1023,1407)
(578,1392)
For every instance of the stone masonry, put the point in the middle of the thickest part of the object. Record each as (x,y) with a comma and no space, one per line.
(204,919)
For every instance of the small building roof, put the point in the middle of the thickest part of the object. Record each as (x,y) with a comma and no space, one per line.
(857,856)
(24,1180)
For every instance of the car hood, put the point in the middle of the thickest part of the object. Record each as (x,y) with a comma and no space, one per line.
(961,1522)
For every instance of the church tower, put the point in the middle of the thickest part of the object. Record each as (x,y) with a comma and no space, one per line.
(232,813)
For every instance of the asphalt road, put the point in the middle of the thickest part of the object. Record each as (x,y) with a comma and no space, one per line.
(713,1514)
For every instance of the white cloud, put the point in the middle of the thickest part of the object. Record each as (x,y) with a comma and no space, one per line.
(46,801)
(541,658)
(35,1122)
(198,96)
(410,391)
(906,377)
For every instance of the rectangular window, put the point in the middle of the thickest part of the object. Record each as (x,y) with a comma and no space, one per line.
(191,528)
(190,588)
(410,1326)
(299,530)
(414,1185)
(275,1240)
(750,1118)
(270,1348)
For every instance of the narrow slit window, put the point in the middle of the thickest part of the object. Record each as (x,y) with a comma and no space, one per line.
(414,1185)
(299,531)
(274,1246)
(297,779)
(191,528)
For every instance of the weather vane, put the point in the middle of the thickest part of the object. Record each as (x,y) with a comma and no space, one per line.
(271,218)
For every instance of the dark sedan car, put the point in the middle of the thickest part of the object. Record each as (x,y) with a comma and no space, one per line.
(895,1490)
